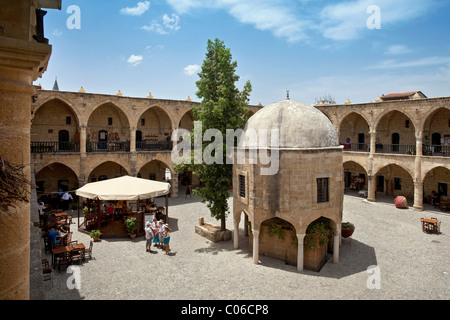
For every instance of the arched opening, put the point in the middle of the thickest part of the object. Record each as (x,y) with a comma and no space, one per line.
(317,243)
(354,133)
(107,170)
(436,132)
(395,134)
(54,128)
(52,181)
(436,187)
(277,239)
(155,126)
(355,176)
(108,130)
(154,170)
(393,180)
(187,121)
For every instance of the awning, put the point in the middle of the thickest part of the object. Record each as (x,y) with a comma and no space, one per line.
(124,188)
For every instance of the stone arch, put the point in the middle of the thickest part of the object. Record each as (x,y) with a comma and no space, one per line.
(159,112)
(187,121)
(60,98)
(390,173)
(395,121)
(53,116)
(277,239)
(52,174)
(155,125)
(436,121)
(154,167)
(351,126)
(110,169)
(99,121)
(352,166)
(435,167)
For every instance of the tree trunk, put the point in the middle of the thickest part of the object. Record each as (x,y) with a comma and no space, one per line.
(222,224)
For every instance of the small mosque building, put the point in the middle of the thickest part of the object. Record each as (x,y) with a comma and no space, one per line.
(291,176)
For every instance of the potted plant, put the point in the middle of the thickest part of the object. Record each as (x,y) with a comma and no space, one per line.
(315,243)
(95,234)
(347,229)
(131,224)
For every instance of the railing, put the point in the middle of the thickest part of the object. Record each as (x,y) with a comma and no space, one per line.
(153,146)
(358,147)
(100,146)
(436,150)
(396,148)
(53,147)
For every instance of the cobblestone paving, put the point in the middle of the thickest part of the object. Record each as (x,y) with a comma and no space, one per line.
(411,264)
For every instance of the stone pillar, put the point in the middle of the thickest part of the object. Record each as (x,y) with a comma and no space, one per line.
(372,188)
(83,139)
(373,141)
(336,243)
(174,183)
(236,234)
(255,246)
(132,139)
(418,183)
(22,60)
(300,238)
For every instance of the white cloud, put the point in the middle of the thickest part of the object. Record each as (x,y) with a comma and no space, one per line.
(265,15)
(168,24)
(423,62)
(192,69)
(139,10)
(135,60)
(397,50)
(346,20)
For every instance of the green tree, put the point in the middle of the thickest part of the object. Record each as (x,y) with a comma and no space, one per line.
(223,107)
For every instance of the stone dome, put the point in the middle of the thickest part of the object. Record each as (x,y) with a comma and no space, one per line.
(300,126)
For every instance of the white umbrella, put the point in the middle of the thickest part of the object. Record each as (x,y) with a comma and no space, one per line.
(124,188)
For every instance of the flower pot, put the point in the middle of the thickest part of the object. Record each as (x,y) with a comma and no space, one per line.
(347,232)
(96,239)
(132,235)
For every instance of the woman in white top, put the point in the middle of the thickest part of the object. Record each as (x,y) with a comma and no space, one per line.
(148,237)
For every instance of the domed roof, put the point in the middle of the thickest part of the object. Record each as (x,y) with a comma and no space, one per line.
(299,125)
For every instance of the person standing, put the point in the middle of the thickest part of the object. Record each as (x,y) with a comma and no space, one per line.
(155,229)
(161,233)
(148,237)
(167,231)
(66,199)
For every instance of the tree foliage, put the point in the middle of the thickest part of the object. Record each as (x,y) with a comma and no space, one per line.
(222,107)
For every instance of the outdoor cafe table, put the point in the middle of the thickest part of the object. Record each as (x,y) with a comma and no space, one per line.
(429,223)
(60,250)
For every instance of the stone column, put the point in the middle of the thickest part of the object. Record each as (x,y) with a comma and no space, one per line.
(372,188)
(418,183)
(300,238)
(255,246)
(22,60)
(336,239)
(174,183)
(373,141)
(83,139)
(236,234)
(132,139)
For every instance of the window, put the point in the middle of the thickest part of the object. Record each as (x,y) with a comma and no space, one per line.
(68,120)
(152,176)
(109,121)
(397,183)
(322,190)
(142,122)
(242,186)
(407,124)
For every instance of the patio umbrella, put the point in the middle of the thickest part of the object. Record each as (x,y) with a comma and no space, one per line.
(124,188)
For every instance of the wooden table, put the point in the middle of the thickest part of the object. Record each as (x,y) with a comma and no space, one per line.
(60,250)
(429,225)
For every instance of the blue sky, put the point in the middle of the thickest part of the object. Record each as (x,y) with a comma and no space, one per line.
(350,49)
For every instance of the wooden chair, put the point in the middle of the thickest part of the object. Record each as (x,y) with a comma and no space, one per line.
(64,259)
(46,271)
(76,255)
(88,251)
(438,227)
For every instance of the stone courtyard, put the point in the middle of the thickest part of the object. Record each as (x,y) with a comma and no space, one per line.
(412,264)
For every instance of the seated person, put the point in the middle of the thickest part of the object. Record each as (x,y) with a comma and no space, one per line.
(434,197)
(52,236)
